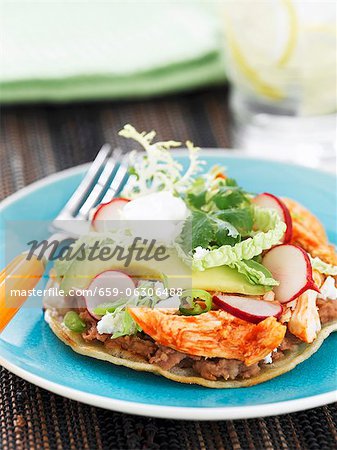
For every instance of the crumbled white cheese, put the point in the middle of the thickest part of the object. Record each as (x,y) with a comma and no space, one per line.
(200,252)
(268,359)
(328,289)
(109,324)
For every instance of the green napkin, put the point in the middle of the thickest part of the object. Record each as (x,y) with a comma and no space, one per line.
(61,51)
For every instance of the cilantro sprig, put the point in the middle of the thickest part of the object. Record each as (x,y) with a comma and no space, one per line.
(207,231)
(221,214)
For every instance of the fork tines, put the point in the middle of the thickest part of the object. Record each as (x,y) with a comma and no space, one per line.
(104,179)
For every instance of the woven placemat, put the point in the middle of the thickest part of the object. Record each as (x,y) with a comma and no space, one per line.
(36,141)
(32,418)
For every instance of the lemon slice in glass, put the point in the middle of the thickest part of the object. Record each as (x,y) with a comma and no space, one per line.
(261,38)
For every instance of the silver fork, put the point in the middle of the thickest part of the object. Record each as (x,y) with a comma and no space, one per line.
(104,179)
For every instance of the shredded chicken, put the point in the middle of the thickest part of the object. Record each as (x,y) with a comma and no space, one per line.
(309,233)
(213,334)
(305,322)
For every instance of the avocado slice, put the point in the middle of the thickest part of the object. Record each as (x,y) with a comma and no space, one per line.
(225,279)
(178,275)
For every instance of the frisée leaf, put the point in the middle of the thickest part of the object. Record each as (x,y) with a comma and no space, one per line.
(155,169)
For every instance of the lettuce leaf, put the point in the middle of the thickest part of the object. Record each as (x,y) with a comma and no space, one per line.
(271,229)
(323,267)
(255,272)
(265,219)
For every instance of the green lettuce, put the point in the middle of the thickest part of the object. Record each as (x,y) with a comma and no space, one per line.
(255,272)
(266,219)
(323,267)
(271,229)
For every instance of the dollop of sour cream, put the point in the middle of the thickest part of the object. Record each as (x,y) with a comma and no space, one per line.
(156,206)
(157,216)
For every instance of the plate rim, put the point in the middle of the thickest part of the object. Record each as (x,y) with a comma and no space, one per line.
(173,412)
(147,409)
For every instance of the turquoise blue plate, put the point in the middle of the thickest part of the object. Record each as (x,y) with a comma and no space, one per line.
(29,349)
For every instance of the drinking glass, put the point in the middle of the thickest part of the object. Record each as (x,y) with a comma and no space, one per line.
(281,62)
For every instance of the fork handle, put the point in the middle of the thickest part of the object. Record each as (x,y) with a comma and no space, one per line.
(20,274)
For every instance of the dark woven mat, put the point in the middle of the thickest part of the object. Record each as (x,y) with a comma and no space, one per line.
(39,140)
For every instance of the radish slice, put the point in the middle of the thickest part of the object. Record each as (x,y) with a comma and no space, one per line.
(291,266)
(107,287)
(108,211)
(250,309)
(267,200)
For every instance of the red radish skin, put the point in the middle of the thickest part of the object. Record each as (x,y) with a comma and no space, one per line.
(267,200)
(249,309)
(108,211)
(291,266)
(106,280)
